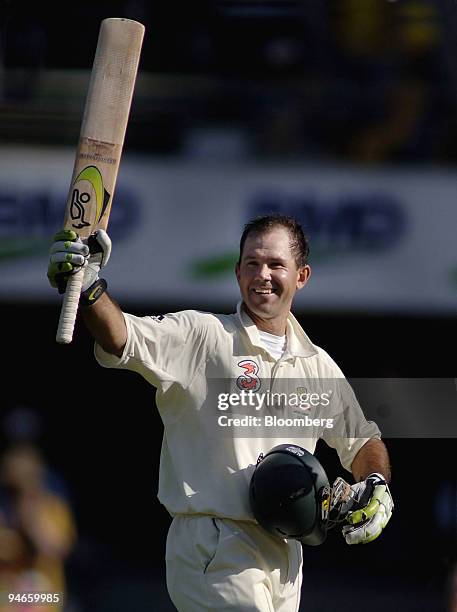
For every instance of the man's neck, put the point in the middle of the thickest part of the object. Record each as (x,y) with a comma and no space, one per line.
(276,326)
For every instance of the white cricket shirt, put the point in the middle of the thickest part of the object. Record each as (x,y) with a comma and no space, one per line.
(192,358)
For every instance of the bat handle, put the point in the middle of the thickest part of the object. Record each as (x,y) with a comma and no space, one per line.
(69,308)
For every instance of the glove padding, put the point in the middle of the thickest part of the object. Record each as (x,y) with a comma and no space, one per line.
(374,509)
(68,254)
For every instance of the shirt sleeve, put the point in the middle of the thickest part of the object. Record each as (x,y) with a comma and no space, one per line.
(350,430)
(164,349)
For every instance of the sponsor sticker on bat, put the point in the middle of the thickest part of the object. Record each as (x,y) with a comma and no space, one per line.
(88,189)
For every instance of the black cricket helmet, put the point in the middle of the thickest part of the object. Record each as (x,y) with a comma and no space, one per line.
(290,494)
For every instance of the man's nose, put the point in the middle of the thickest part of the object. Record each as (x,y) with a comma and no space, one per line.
(263,272)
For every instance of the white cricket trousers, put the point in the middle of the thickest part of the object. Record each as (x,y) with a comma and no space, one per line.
(218,564)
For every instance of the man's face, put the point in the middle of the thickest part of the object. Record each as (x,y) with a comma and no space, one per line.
(268,275)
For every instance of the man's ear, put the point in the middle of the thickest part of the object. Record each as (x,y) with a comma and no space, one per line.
(237,271)
(304,274)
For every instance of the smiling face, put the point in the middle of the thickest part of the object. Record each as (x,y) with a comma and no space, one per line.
(268,277)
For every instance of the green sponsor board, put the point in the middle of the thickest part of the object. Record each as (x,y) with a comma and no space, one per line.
(14,248)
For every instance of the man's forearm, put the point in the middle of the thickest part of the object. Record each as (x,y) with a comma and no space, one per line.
(106,323)
(372,457)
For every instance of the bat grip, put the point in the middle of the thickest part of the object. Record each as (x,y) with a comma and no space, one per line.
(69,308)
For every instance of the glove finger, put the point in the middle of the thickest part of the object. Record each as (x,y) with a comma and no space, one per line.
(58,274)
(75,260)
(386,500)
(66,235)
(358,516)
(371,529)
(382,494)
(59,267)
(352,535)
(60,270)
(361,537)
(365,533)
(69,247)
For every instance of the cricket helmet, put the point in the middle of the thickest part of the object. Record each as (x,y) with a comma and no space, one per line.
(290,494)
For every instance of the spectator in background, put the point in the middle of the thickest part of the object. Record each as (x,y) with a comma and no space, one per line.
(23,424)
(390,72)
(37,529)
(413,124)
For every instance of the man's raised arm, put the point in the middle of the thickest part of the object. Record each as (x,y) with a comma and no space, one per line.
(106,323)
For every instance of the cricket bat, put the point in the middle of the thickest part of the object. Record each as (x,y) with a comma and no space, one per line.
(100,144)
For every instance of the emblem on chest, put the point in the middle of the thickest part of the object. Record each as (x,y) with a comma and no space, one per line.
(248,380)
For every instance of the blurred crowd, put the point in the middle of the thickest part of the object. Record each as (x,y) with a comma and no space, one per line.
(369,82)
(383,91)
(398,93)
(37,527)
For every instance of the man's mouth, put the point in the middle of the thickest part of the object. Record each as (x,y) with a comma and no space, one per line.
(264,290)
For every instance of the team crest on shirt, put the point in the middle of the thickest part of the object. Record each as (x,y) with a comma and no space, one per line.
(248,381)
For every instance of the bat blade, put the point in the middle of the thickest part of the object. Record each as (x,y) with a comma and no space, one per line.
(100,144)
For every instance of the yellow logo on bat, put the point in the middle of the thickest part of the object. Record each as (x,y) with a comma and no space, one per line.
(88,185)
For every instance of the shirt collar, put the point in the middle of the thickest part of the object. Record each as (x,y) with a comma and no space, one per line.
(298,343)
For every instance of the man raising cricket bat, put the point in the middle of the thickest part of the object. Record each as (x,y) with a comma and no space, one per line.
(218,556)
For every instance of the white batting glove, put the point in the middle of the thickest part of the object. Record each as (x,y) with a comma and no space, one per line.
(375,506)
(68,254)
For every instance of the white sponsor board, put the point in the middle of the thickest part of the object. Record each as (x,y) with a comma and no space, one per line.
(380,239)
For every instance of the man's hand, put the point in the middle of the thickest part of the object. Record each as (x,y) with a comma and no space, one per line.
(69,254)
(373,510)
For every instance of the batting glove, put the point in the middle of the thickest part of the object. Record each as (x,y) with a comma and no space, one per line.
(68,254)
(374,509)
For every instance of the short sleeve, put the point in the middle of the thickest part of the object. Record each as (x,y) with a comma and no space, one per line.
(163,349)
(350,430)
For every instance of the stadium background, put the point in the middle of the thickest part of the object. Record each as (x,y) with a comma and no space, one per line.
(352,87)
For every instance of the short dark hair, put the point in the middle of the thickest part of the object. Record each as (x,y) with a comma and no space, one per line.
(299,244)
